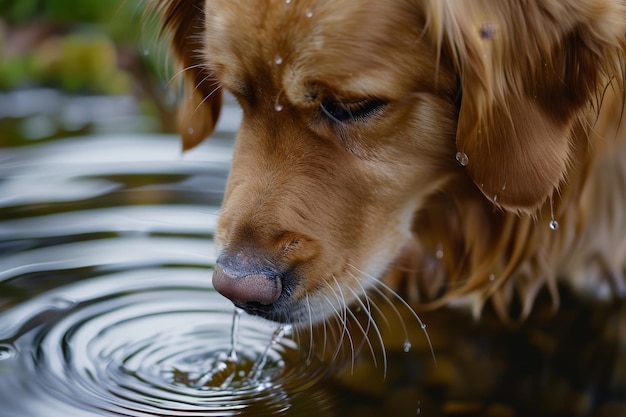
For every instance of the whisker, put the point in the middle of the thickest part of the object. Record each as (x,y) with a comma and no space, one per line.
(386,298)
(178,73)
(370,301)
(340,299)
(363,295)
(344,321)
(325,339)
(376,283)
(365,334)
(205,98)
(344,332)
(308,304)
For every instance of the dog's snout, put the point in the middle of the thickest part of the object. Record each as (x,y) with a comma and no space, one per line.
(243,285)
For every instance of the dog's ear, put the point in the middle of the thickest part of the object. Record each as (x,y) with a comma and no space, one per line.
(527,71)
(183,21)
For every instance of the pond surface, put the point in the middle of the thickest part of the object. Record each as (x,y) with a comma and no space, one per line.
(107,309)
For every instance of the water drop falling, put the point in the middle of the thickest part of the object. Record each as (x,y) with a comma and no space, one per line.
(407,346)
(234,328)
(279,333)
(492,277)
(224,367)
(278,107)
(554,225)
(278,60)
(462,158)
(146,52)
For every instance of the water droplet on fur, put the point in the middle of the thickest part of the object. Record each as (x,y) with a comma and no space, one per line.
(287,1)
(309,14)
(492,277)
(553,223)
(462,158)
(407,346)
(495,198)
(190,130)
(278,107)
(439,251)
(423,326)
(278,60)
(487,30)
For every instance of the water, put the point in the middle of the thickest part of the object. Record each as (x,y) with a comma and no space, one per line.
(462,158)
(106,304)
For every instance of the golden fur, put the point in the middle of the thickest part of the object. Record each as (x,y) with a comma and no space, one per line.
(528,95)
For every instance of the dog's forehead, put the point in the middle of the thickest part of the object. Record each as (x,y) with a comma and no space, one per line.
(313,39)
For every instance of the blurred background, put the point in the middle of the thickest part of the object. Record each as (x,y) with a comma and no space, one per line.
(70,67)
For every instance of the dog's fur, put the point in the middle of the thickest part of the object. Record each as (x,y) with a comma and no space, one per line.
(355,116)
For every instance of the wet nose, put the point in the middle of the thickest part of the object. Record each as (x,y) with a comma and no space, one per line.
(244,287)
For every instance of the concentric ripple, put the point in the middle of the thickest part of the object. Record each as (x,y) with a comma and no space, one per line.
(163,351)
(106,307)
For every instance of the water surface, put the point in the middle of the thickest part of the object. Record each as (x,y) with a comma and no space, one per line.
(106,304)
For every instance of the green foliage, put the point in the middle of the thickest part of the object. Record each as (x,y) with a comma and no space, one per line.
(79,63)
(81,52)
(62,11)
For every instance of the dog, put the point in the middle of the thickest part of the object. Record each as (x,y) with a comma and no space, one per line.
(455,152)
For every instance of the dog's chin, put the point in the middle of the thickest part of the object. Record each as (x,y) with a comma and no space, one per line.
(277,313)
(299,313)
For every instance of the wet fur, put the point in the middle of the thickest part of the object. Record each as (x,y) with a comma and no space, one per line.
(531,91)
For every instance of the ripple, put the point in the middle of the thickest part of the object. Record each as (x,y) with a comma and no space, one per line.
(7,351)
(106,306)
(164,350)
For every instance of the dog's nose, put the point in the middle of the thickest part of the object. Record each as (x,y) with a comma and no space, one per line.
(244,287)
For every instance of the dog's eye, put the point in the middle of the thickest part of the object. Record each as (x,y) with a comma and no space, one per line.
(342,112)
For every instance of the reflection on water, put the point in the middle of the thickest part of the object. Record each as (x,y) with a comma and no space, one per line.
(106,308)
(131,343)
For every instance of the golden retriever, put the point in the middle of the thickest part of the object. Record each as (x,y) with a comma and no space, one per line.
(462,152)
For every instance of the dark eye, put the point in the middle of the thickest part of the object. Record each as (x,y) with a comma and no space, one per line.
(342,112)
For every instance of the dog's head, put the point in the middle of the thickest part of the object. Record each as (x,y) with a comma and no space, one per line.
(354,113)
